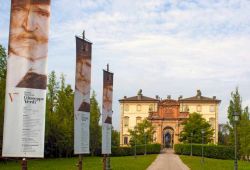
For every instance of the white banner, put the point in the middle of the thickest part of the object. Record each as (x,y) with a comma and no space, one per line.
(107,111)
(82,96)
(24,118)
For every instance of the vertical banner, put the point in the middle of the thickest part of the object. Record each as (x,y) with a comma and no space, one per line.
(107,111)
(24,118)
(82,96)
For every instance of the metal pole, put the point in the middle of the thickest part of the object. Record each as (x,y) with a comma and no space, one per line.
(235,148)
(191,154)
(80,162)
(135,148)
(104,161)
(24,164)
(145,149)
(108,167)
(202,148)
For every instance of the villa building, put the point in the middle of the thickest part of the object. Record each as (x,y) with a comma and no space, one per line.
(133,110)
(166,115)
(207,107)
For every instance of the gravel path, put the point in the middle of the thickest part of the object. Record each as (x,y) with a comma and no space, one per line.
(167,160)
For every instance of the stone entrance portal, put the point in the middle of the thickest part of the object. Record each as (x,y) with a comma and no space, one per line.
(168,137)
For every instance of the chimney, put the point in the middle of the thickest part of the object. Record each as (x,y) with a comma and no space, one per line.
(180,97)
(157,97)
(198,95)
(214,97)
(139,94)
(169,97)
(83,35)
(125,97)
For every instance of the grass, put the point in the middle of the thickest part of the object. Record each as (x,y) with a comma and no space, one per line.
(194,163)
(89,163)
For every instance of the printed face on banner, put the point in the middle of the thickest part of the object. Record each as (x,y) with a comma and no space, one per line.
(107,98)
(29,28)
(28,44)
(83,69)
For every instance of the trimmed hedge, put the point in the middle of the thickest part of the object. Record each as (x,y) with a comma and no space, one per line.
(210,151)
(129,151)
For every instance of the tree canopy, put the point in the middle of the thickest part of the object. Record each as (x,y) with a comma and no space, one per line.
(3,70)
(234,106)
(243,125)
(3,62)
(142,132)
(95,128)
(194,124)
(244,134)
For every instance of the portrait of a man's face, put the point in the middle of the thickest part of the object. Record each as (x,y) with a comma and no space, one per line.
(107,98)
(83,77)
(29,28)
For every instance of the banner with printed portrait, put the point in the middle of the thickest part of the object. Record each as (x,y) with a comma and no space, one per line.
(24,118)
(107,111)
(82,96)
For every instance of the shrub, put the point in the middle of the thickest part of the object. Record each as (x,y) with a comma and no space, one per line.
(210,151)
(128,151)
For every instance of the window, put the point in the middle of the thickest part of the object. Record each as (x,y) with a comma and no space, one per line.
(186,109)
(150,108)
(138,120)
(126,107)
(138,107)
(212,108)
(198,108)
(125,140)
(126,121)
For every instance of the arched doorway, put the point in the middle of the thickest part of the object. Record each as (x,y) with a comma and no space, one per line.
(168,137)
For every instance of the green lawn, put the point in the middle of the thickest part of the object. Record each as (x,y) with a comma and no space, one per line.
(89,163)
(194,163)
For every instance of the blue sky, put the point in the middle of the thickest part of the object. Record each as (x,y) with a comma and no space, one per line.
(163,47)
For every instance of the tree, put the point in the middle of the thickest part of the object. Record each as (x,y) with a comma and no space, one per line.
(244,135)
(223,135)
(142,131)
(234,106)
(115,139)
(3,63)
(59,118)
(53,87)
(95,128)
(65,118)
(194,124)
(51,127)
(3,71)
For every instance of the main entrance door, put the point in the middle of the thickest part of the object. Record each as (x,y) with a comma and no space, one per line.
(168,137)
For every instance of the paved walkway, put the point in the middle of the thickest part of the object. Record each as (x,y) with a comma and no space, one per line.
(167,160)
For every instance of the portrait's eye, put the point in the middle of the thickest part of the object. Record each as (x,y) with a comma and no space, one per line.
(42,13)
(18,8)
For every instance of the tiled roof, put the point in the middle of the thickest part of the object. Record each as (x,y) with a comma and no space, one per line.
(138,98)
(200,99)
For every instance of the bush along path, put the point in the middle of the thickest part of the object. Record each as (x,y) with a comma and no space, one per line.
(167,160)
(210,151)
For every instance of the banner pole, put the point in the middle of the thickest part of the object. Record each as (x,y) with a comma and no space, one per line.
(24,164)
(80,162)
(108,162)
(104,161)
